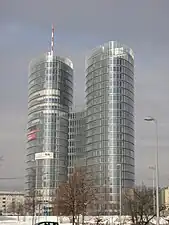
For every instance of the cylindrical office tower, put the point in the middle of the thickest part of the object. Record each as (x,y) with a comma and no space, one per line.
(110,122)
(49,102)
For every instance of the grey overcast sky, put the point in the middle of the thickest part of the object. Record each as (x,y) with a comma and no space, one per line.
(25,30)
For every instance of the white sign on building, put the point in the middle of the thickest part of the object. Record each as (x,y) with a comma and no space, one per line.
(44,155)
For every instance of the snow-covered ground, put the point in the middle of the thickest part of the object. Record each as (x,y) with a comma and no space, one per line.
(27,220)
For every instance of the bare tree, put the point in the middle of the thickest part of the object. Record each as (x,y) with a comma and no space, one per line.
(11,207)
(87,192)
(98,211)
(30,201)
(16,207)
(139,205)
(28,205)
(74,196)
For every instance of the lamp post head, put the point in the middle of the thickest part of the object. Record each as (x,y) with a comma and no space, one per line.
(152,167)
(149,119)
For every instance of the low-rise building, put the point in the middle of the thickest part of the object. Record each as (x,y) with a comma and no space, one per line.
(8,198)
(165,197)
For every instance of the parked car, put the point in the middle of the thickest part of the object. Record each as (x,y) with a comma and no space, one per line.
(47,223)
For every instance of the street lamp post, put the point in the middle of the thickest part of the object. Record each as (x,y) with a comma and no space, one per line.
(154,203)
(151,119)
(120,208)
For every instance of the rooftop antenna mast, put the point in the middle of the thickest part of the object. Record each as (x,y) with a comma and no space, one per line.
(52,41)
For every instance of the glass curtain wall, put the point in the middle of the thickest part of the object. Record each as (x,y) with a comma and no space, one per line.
(110,122)
(50,98)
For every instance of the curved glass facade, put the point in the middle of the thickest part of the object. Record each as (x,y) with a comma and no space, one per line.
(110,121)
(49,102)
(77,141)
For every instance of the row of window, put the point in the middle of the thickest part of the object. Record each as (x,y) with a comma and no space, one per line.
(52,134)
(108,118)
(103,144)
(111,159)
(113,91)
(117,55)
(47,113)
(96,121)
(56,65)
(94,104)
(108,135)
(91,95)
(49,106)
(76,124)
(109,153)
(116,50)
(42,76)
(58,86)
(105,122)
(57,77)
(47,141)
(115,175)
(111,129)
(111,105)
(44,92)
(109,84)
(115,76)
(92,151)
(118,62)
(104,167)
(52,81)
(107,73)
(110,113)
(77,129)
(53,99)
(129,180)
(53,122)
(77,115)
(109,77)
(108,142)
(75,150)
(58,148)
(77,143)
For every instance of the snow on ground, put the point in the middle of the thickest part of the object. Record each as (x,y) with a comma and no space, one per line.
(27,220)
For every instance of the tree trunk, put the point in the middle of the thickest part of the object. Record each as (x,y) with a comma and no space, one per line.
(33,209)
(78,219)
(83,218)
(73,219)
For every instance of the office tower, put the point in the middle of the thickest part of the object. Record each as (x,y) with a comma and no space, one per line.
(77,141)
(110,122)
(50,99)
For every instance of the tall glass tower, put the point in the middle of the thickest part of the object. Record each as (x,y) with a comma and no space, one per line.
(110,122)
(50,98)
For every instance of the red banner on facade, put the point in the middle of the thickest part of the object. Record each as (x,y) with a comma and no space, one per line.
(32,135)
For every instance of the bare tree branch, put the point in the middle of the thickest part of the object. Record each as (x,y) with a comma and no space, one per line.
(139,205)
(74,196)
